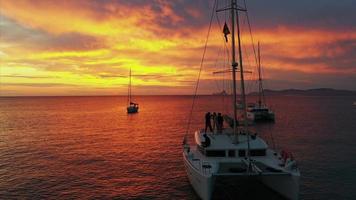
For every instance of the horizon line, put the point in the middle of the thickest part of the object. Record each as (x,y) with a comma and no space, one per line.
(210,94)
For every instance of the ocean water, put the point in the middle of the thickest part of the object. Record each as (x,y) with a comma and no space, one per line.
(89,148)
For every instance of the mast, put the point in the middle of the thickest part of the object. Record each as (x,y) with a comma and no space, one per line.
(234,66)
(243,89)
(129,92)
(260,88)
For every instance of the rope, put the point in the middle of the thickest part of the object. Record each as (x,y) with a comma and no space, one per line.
(216,81)
(226,54)
(226,82)
(249,27)
(248,78)
(201,66)
(254,51)
(265,84)
(253,43)
(272,138)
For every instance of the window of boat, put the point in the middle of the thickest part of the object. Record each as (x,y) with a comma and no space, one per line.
(231,153)
(215,153)
(242,153)
(259,110)
(258,152)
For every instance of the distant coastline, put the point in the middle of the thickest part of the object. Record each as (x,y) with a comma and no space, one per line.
(309,92)
(299,92)
(268,92)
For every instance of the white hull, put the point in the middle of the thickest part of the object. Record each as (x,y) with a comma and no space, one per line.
(285,185)
(204,172)
(203,185)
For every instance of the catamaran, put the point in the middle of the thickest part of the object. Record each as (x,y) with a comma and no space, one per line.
(260,111)
(132,107)
(235,154)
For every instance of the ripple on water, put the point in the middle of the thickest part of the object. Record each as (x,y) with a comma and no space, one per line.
(89,148)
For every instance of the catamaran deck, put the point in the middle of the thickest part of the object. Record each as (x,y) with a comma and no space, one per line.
(268,163)
(226,140)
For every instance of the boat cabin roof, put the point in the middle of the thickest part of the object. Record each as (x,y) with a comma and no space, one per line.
(226,141)
(259,110)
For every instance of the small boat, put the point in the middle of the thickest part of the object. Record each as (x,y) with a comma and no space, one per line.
(260,110)
(132,107)
(250,115)
(260,113)
(240,120)
(236,155)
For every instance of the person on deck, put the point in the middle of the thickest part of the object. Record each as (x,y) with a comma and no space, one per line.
(208,122)
(214,117)
(206,141)
(220,122)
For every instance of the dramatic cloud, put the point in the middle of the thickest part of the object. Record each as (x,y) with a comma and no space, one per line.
(88,46)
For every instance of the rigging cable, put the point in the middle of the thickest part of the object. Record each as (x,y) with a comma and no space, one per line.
(225,81)
(251,37)
(265,84)
(201,66)
(226,52)
(254,51)
(215,66)
(249,78)
(249,27)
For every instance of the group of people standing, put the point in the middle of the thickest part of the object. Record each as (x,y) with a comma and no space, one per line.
(218,122)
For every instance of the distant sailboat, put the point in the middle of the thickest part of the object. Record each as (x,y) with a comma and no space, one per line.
(132,107)
(222,93)
(260,111)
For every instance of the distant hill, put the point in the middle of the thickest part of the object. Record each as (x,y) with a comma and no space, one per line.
(310,92)
(223,93)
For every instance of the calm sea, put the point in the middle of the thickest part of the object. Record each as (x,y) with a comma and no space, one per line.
(89,148)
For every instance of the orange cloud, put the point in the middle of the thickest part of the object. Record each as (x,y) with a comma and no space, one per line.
(83,44)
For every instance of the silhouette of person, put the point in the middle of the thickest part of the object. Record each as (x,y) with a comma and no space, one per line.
(206,143)
(214,121)
(208,122)
(220,122)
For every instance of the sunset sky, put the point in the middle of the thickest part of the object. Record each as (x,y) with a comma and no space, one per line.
(86,47)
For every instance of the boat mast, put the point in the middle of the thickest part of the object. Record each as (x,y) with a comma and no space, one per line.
(129,99)
(243,94)
(260,88)
(234,66)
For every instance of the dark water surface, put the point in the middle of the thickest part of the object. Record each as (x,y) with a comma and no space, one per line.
(88,147)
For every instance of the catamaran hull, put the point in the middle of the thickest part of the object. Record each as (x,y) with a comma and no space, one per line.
(203,185)
(264,117)
(285,185)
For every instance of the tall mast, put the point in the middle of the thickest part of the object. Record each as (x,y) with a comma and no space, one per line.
(243,89)
(260,88)
(234,65)
(130,88)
